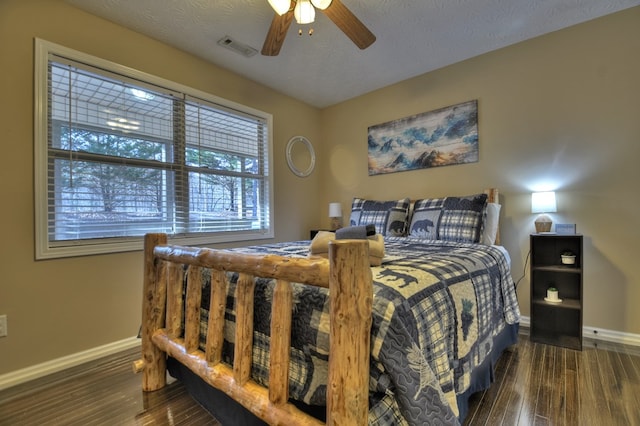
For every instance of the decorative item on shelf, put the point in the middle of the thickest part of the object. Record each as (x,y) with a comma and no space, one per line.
(552,295)
(568,258)
(543,202)
(335,213)
(566,228)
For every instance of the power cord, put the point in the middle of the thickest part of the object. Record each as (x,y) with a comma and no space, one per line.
(524,272)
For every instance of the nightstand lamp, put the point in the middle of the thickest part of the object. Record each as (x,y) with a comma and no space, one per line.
(543,202)
(335,213)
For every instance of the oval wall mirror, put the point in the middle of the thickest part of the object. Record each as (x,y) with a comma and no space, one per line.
(301,157)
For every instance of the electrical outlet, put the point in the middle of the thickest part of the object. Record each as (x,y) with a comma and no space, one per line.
(3,326)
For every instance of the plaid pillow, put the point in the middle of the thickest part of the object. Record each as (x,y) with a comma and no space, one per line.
(462,218)
(389,217)
(425,218)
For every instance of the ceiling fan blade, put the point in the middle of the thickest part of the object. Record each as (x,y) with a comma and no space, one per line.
(349,24)
(277,32)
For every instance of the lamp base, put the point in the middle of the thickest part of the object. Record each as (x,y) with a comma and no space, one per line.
(336,223)
(543,223)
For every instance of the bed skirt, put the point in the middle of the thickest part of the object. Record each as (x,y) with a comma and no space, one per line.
(482,376)
(229,412)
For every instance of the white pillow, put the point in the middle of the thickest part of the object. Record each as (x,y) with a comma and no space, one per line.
(491,224)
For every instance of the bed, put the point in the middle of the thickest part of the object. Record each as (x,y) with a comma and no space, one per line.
(269,334)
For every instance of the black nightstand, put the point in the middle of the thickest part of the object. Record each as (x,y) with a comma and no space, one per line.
(313,232)
(556,323)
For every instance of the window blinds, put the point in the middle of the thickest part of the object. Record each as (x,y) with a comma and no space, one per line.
(126,157)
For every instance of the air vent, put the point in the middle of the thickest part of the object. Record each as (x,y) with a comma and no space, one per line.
(236,46)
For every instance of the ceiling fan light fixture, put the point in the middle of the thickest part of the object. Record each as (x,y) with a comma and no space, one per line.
(321,4)
(304,12)
(280,6)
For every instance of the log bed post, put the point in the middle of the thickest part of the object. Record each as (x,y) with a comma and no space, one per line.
(493,196)
(153,314)
(351,300)
(280,342)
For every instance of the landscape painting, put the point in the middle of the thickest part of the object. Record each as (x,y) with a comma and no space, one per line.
(436,138)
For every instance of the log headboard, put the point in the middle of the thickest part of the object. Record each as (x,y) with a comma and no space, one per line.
(493,197)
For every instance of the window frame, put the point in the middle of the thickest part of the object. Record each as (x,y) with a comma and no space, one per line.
(44,249)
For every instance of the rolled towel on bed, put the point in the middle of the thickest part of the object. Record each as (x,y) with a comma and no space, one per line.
(320,243)
(376,249)
(320,246)
(359,232)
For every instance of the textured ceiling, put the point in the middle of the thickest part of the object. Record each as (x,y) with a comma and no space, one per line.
(413,37)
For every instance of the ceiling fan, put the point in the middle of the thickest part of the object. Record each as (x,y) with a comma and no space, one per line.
(304,12)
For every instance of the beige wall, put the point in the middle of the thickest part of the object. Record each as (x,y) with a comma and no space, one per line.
(563,109)
(60,307)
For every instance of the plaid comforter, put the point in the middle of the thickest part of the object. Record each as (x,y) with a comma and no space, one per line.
(437,307)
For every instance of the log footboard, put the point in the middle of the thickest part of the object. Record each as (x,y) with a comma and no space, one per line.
(347,274)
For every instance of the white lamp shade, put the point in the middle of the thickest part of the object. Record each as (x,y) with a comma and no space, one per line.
(543,202)
(280,6)
(335,210)
(321,4)
(304,12)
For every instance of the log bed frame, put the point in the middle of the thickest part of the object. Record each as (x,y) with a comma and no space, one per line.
(347,275)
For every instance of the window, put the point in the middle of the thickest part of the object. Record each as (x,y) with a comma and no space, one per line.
(120,153)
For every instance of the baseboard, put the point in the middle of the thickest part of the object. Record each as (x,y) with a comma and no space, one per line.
(40,370)
(525,321)
(601,334)
(611,336)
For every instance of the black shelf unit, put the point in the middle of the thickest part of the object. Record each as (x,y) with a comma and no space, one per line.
(558,324)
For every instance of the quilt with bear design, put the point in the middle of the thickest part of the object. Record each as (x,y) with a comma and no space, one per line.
(437,308)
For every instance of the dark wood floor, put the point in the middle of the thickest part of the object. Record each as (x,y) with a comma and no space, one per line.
(538,384)
(535,385)
(105,392)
